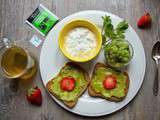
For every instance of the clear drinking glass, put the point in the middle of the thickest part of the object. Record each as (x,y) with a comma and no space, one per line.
(112,54)
(17,62)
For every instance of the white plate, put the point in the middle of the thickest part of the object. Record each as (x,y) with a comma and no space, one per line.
(51,61)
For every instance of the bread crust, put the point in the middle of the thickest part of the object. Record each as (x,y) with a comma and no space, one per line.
(70,104)
(112,98)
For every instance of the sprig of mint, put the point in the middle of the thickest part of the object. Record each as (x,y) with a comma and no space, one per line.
(108,31)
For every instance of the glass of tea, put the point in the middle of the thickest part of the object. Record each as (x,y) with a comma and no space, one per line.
(17,62)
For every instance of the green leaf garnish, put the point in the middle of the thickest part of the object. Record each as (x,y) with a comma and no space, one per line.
(122,26)
(108,30)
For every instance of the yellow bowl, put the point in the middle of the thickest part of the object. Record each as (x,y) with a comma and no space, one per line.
(79,23)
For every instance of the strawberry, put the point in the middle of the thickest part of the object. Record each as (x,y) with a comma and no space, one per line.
(110,82)
(67,83)
(34,96)
(144,21)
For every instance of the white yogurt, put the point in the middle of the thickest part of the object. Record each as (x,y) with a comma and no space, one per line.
(80,42)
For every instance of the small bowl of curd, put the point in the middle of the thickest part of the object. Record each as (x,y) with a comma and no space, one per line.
(80,40)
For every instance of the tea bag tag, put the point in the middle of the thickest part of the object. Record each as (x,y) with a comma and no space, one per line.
(35,41)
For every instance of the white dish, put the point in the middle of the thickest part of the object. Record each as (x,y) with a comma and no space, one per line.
(51,61)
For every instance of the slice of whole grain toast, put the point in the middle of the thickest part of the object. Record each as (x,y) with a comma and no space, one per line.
(112,98)
(70,104)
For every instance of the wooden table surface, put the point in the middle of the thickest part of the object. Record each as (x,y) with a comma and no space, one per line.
(13,13)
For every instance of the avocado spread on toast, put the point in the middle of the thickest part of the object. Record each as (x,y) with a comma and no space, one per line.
(80,83)
(98,78)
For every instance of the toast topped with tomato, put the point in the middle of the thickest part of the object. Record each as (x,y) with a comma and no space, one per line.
(108,83)
(69,84)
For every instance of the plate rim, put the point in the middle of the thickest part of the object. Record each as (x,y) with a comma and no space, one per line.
(118,108)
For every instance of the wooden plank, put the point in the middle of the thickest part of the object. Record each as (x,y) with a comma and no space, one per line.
(13,104)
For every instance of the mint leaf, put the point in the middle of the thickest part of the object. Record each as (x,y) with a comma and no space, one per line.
(121,27)
(107,30)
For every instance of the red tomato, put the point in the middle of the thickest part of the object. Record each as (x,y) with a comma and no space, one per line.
(110,82)
(67,83)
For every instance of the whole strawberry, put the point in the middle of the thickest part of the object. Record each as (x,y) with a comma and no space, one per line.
(34,96)
(144,21)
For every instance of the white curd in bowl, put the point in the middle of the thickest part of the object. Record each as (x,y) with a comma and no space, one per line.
(80,42)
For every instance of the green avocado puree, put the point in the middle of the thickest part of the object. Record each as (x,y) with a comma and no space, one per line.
(98,78)
(80,83)
(118,53)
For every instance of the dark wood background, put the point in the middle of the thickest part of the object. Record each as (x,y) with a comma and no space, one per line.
(13,13)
